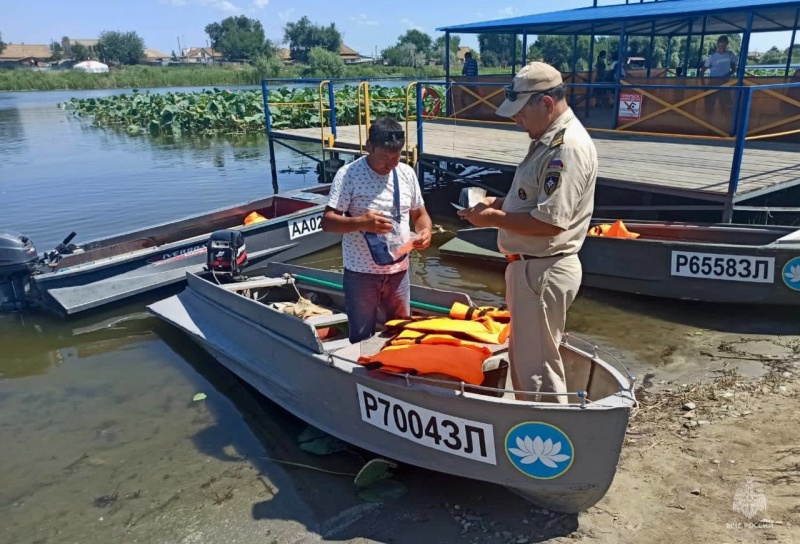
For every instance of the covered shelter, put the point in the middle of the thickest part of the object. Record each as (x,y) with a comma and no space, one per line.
(686,105)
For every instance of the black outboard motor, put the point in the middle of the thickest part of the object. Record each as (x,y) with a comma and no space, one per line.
(226,254)
(17,260)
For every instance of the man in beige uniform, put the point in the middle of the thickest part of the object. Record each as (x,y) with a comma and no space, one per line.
(542,223)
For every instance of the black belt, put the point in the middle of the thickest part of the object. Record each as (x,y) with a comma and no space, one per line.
(521,257)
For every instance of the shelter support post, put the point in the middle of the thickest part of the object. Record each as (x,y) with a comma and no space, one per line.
(791,43)
(688,51)
(419,119)
(268,122)
(525,48)
(621,49)
(669,52)
(651,51)
(514,54)
(448,93)
(738,154)
(702,42)
(574,71)
(591,70)
(740,72)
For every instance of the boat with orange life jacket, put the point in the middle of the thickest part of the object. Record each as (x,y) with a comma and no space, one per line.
(719,262)
(75,278)
(433,413)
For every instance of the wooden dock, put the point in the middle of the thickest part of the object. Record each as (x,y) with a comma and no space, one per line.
(698,169)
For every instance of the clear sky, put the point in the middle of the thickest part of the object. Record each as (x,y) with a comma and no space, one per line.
(364,24)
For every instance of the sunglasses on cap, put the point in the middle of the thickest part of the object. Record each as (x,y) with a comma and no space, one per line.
(512,95)
(388,137)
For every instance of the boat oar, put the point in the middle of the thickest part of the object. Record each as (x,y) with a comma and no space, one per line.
(340,287)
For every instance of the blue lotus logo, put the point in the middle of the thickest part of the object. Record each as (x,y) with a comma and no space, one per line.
(539,450)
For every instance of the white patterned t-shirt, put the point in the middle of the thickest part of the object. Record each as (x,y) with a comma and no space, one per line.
(356,189)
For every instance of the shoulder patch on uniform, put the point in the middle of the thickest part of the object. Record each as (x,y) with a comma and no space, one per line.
(551,179)
(558,139)
(555,164)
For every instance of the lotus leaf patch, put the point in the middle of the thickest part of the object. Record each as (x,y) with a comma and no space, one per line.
(551,179)
(522,194)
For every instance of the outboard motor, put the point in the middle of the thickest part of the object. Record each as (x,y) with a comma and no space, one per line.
(18,259)
(226,253)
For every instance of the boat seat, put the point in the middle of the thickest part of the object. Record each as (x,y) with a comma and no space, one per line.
(327,320)
(789,238)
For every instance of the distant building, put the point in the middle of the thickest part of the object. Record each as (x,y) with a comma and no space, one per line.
(25,55)
(346,53)
(200,54)
(68,43)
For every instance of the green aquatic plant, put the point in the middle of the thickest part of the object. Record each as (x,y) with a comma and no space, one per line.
(216,111)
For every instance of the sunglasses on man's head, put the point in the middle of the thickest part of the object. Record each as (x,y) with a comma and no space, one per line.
(389,137)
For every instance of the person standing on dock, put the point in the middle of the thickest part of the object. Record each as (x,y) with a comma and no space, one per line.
(370,198)
(721,64)
(542,223)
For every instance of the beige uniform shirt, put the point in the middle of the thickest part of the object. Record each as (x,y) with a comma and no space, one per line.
(555,184)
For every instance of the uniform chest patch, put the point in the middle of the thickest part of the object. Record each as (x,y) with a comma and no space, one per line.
(551,180)
(522,194)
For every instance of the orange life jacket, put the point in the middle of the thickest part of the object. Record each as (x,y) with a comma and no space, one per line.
(253,218)
(462,311)
(462,361)
(615,230)
(484,329)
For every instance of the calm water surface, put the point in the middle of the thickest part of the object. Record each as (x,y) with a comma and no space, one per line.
(92,404)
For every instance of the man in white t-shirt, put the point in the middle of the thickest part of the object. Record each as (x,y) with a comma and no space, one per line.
(721,64)
(362,200)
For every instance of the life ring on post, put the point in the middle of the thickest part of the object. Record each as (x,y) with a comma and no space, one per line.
(437,102)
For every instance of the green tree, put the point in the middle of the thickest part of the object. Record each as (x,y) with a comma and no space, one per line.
(774,56)
(421,41)
(502,46)
(80,52)
(437,49)
(239,38)
(302,36)
(2,45)
(57,51)
(324,63)
(120,47)
(403,55)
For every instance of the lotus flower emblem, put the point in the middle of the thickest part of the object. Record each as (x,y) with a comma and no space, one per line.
(537,449)
(793,275)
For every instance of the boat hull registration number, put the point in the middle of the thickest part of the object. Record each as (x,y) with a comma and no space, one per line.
(715,266)
(305,226)
(463,437)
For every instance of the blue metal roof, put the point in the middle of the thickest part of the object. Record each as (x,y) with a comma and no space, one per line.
(670,17)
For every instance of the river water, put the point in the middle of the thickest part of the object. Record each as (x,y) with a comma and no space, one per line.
(98,431)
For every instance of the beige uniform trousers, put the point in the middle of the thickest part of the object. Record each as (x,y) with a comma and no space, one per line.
(538,294)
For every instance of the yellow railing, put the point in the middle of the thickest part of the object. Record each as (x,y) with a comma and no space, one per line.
(363,85)
(408,116)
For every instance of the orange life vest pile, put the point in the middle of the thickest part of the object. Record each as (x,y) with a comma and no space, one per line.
(253,218)
(454,346)
(615,230)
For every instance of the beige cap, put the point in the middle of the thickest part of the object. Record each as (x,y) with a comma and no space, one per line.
(536,76)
